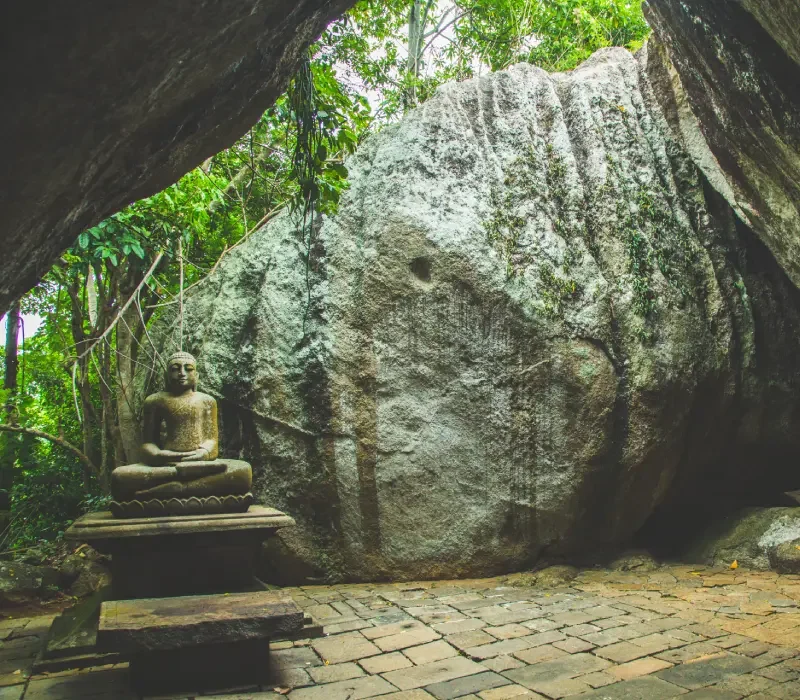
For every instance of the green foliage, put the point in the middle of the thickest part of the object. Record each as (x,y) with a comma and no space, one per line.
(45,499)
(460,38)
(556,35)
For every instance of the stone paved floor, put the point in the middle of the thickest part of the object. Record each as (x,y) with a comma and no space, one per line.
(676,631)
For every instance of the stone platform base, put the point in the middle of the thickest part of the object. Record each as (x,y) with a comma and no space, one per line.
(180,555)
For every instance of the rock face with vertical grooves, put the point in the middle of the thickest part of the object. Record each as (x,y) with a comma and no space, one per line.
(531,324)
(736,84)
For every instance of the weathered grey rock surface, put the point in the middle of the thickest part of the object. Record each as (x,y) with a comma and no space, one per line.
(736,84)
(756,538)
(531,323)
(106,103)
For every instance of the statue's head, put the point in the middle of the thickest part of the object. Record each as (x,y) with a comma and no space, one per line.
(181,373)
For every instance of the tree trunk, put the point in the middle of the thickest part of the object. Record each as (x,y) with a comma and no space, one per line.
(12,362)
(129,429)
(9,454)
(417,23)
(415,31)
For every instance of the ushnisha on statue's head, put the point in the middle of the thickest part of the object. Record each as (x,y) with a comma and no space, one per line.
(181,373)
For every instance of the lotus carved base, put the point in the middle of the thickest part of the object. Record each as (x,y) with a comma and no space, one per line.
(182,506)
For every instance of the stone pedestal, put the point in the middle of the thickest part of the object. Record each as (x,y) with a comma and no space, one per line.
(160,558)
(180,555)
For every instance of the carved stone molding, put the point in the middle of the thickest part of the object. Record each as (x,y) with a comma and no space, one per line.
(182,506)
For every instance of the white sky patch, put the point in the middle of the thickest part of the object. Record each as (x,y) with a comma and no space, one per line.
(31,324)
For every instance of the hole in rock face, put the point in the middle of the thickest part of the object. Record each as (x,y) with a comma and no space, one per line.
(421,267)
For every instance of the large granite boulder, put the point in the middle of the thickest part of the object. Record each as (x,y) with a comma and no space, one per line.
(108,102)
(735,74)
(531,321)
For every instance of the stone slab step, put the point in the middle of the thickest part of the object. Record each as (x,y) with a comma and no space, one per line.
(151,624)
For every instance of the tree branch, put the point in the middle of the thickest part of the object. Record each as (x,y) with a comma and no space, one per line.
(55,440)
(124,307)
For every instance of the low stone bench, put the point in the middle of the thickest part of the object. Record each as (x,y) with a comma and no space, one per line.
(197,642)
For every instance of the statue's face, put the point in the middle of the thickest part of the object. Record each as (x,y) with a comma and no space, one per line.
(181,374)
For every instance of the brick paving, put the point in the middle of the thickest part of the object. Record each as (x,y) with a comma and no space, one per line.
(692,632)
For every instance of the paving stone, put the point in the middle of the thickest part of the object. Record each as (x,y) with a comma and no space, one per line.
(688,653)
(752,648)
(599,679)
(508,631)
(337,672)
(649,688)
(707,672)
(408,695)
(407,638)
(579,630)
(353,689)
(779,673)
(747,684)
(541,625)
(345,647)
(655,643)
(503,616)
(351,626)
(611,622)
(705,630)
(604,638)
(111,684)
(436,672)
(476,604)
(640,667)
(573,645)
(622,652)
(498,664)
(773,656)
(600,612)
(538,654)
(468,684)
(511,646)
(563,687)
(12,692)
(291,677)
(473,638)
(568,667)
(321,613)
(507,692)
(728,641)
(252,694)
(297,657)
(392,628)
(684,636)
(468,625)
(711,694)
(428,653)
(785,690)
(385,663)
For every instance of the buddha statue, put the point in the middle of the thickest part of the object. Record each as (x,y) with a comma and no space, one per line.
(180,472)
